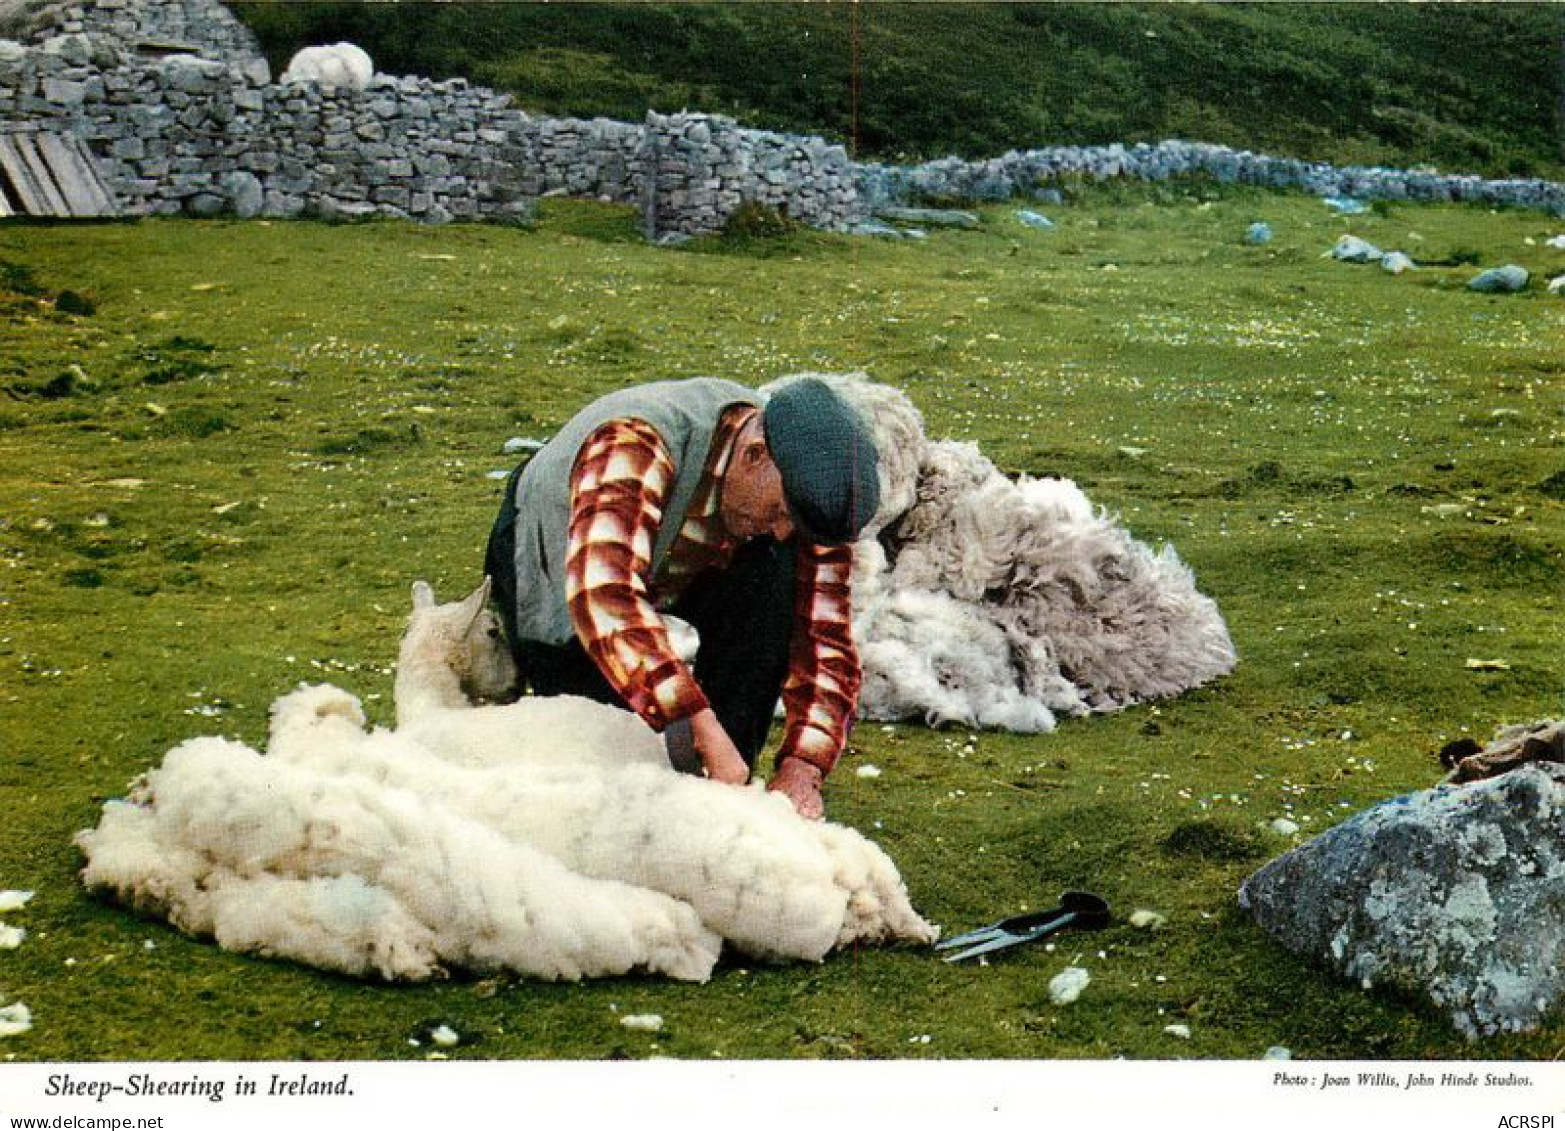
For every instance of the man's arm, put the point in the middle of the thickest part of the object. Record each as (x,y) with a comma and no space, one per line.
(619,485)
(821,694)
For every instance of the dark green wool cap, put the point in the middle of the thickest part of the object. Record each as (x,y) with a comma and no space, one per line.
(826,458)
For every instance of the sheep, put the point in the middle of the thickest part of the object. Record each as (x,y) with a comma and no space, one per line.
(445,642)
(471,663)
(582,733)
(752,869)
(403,851)
(337,65)
(454,656)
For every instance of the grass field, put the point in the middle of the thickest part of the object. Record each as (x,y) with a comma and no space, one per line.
(221,475)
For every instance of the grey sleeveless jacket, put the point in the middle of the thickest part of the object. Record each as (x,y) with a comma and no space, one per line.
(684,413)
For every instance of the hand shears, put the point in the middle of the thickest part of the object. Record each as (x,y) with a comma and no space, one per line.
(1077,909)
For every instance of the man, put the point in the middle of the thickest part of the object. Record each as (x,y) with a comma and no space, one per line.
(733,511)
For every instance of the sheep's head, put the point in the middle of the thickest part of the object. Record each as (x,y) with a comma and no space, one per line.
(464,638)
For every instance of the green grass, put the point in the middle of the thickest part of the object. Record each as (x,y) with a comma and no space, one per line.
(269,430)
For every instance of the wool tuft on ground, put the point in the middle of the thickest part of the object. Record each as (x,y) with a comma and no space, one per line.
(993,602)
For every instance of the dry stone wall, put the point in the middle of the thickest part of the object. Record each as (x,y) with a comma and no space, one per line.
(703,167)
(183,133)
(1025,173)
(595,159)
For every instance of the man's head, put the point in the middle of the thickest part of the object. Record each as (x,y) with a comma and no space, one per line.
(806,463)
(752,502)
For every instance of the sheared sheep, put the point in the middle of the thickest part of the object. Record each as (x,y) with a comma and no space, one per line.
(453,672)
(403,851)
(336,65)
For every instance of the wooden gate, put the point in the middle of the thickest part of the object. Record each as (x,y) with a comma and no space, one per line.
(46,174)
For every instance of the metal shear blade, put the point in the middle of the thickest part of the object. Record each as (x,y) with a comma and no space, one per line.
(1081,909)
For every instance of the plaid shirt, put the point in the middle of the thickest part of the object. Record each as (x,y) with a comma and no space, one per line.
(620,483)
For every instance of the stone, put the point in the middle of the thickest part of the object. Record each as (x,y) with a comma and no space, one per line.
(191,75)
(1500,280)
(64,92)
(1258,233)
(1397,262)
(205,205)
(256,71)
(246,198)
(334,210)
(1034,219)
(1352,249)
(934,217)
(282,206)
(1456,893)
(876,228)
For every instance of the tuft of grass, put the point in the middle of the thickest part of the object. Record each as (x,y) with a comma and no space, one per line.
(368,441)
(1214,841)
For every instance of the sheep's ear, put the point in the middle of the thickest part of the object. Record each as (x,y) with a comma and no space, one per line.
(474,604)
(423,595)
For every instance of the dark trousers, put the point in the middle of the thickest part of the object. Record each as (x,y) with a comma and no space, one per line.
(744,615)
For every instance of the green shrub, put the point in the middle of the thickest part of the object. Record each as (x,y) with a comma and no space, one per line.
(753,220)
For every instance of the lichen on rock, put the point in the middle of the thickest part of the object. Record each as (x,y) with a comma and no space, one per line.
(1456,893)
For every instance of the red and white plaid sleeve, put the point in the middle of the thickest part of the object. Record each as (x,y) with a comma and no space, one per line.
(821,693)
(619,486)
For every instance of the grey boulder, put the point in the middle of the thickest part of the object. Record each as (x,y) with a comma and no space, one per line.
(1456,893)
(1500,280)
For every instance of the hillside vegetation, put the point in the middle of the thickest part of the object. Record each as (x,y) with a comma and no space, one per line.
(1471,88)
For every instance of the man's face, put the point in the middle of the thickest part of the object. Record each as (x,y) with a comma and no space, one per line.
(751,502)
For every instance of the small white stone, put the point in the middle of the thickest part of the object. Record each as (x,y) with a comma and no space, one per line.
(1180,1031)
(14,900)
(1147,920)
(15,1019)
(445,1036)
(1066,986)
(643,1022)
(867,771)
(1277,1052)
(1284,827)
(11,937)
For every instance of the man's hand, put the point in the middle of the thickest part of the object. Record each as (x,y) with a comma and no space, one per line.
(719,756)
(801,783)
